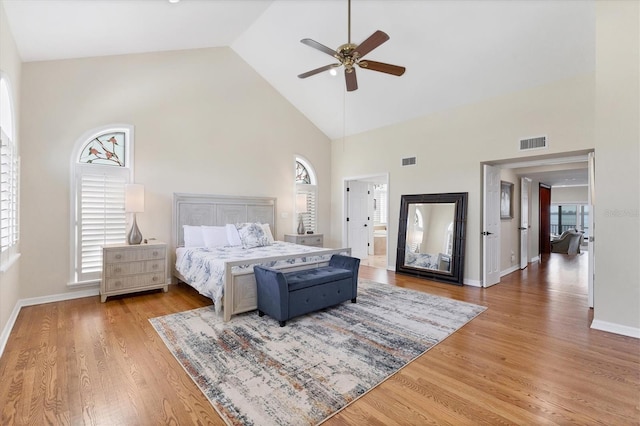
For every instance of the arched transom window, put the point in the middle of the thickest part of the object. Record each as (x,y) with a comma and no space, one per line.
(307,190)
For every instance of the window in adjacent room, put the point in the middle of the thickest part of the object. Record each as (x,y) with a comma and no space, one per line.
(8,178)
(569,216)
(306,186)
(102,166)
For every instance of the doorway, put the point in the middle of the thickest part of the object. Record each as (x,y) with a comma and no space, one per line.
(365,214)
(564,170)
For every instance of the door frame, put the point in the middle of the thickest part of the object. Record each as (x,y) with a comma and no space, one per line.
(369,178)
(541,160)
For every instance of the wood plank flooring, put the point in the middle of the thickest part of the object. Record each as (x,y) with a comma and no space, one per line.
(531,358)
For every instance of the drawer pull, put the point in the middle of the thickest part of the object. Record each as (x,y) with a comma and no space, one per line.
(118,270)
(118,256)
(155,252)
(154,279)
(118,284)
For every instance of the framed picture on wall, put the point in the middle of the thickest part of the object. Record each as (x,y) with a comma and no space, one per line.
(506,200)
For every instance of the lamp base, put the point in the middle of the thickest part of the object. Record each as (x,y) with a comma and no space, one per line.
(301,226)
(135,236)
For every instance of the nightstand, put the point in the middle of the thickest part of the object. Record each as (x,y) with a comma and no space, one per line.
(315,240)
(131,268)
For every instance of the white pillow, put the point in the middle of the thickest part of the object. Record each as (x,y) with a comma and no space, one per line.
(267,232)
(215,236)
(193,236)
(232,235)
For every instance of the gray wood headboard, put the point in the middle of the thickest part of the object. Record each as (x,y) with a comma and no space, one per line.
(218,210)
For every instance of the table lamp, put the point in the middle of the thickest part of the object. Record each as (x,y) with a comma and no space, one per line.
(134,203)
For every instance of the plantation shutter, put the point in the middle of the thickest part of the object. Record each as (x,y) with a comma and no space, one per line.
(8,196)
(101,217)
(310,217)
(380,195)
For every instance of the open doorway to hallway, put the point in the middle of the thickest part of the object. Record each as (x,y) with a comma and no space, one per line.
(567,175)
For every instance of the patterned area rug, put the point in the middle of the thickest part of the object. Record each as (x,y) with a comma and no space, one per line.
(256,373)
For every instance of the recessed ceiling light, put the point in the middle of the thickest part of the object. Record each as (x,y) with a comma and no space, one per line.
(174,1)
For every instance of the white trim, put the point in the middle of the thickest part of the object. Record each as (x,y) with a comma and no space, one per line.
(4,337)
(509,270)
(611,327)
(472,283)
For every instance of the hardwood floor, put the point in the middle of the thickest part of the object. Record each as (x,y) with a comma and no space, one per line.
(531,358)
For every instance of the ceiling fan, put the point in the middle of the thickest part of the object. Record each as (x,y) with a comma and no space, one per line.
(350,54)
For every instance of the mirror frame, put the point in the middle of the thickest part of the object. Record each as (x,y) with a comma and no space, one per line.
(455,276)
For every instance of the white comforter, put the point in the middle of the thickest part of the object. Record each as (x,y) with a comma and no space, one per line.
(204,268)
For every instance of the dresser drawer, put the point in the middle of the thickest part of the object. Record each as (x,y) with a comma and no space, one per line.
(135,281)
(313,240)
(129,268)
(128,255)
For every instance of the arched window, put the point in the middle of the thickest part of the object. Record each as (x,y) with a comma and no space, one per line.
(8,177)
(306,190)
(101,167)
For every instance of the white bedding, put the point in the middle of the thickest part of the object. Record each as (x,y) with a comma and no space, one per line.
(204,268)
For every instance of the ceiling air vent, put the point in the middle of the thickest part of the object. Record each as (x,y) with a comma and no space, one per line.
(409,161)
(533,143)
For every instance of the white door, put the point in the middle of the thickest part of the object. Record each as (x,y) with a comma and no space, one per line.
(357,218)
(525,194)
(491,226)
(591,224)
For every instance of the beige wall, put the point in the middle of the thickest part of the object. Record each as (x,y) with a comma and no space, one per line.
(509,233)
(570,194)
(451,145)
(617,186)
(10,66)
(205,122)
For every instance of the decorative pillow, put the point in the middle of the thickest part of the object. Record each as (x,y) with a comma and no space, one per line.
(232,235)
(252,235)
(267,231)
(193,236)
(215,236)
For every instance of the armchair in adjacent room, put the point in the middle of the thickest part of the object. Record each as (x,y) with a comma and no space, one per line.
(569,242)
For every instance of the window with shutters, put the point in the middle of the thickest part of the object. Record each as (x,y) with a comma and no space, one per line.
(102,166)
(306,185)
(8,179)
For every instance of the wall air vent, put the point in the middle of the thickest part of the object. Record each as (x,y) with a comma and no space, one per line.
(539,142)
(409,161)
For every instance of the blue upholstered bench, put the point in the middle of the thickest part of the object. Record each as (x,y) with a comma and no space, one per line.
(285,295)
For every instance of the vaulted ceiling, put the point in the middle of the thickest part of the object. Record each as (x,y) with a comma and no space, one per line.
(455,52)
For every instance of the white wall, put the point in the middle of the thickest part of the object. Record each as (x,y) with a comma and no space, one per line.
(509,233)
(569,194)
(450,146)
(617,185)
(10,65)
(205,122)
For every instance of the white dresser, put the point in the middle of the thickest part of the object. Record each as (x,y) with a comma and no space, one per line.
(316,240)
(131,268)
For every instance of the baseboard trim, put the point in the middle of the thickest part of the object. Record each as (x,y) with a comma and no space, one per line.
(472,283)
(4,337)
(509,270)
(611,327)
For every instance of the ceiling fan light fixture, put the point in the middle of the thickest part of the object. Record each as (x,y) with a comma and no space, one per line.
(349,55)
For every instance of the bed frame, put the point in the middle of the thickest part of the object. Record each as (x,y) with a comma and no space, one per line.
(240,293)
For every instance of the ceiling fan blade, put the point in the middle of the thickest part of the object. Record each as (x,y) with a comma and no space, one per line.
(352,81)
(382,67)
(318,70)
(319,46)
(374,40)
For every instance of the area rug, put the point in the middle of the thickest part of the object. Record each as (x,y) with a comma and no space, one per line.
(255,372)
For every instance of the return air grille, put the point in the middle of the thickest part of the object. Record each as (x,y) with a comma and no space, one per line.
(533,143)
(409,161)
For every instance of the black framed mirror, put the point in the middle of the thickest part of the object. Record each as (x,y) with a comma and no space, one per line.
(431,236)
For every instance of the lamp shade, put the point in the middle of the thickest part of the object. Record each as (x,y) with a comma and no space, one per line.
(301,203)
(134,198)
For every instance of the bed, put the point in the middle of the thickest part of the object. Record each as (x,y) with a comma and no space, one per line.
(438,262)
(234,284)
